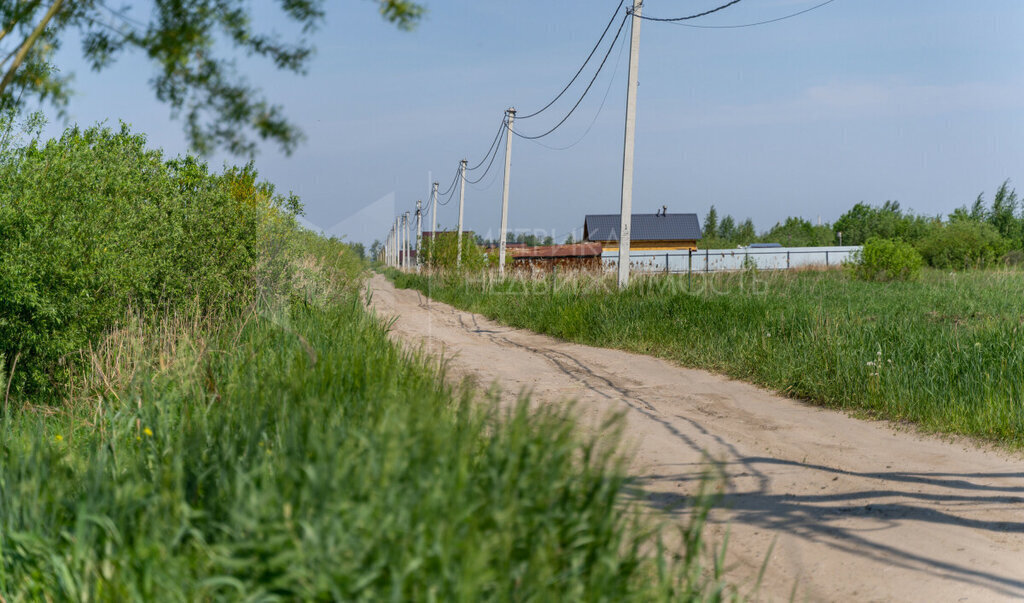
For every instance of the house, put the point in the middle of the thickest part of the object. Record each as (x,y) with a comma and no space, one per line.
(546,257)
(655,232)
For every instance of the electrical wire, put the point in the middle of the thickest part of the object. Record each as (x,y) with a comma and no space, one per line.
(789,16)
(582,67)
(451,194)
(618,63)
(504,130)
(696,16)
(489,184)
(589,86)
(450,186)
(491,148)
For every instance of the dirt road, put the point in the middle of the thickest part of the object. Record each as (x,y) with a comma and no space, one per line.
(857,510)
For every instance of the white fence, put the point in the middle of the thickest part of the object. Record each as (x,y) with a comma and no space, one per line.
(723,260)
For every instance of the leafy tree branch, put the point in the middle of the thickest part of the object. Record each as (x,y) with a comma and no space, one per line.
(184,39)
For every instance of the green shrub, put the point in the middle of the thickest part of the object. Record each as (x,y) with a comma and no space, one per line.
(887,259)
(441,251)
(888,221)
(95,225)
(963,244)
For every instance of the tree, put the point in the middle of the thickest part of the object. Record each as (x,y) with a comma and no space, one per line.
(978,213)
(727,229)
(961,214)
(887,221)
(359,249)
(711,224)
(569,240)
(745,233)
(1004,212)
(798,232)
(375,249)
(184,41)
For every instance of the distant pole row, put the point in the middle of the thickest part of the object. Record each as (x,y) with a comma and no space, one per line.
(397,250)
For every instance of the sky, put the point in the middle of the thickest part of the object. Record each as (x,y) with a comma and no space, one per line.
(859,100)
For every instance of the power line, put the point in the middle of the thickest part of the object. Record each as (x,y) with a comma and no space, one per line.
(789,16)
(589,86)
(582,67)
(451,187)
(448,200)
(490,183)
(502,134)
(491,148)
(696,16)
(618,63)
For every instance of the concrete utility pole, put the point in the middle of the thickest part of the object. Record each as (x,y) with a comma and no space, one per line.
(510,115)
(462,201)
(433,219)
(419,231)
(405,233)
(398,241)
(398,248)
(626,211)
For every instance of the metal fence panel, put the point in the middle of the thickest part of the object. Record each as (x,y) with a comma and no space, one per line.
(724,260)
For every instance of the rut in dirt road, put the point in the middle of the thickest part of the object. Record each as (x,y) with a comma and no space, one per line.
(856,510)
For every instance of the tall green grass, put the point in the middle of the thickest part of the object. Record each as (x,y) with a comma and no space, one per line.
(946,352)
(292,453)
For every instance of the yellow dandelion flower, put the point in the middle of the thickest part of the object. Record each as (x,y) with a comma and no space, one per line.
(59,437)
(147,431)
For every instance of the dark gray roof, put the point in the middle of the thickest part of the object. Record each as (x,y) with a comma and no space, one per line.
(644,227)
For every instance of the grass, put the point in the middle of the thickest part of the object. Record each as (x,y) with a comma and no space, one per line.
(290,452)
(945,352)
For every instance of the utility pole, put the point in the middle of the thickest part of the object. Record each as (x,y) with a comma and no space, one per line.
(433,220)
(419,231)
(405,233)
(629,141)
(462,201)
(510,115)
(398,248)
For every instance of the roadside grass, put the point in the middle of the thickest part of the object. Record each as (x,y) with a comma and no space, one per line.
(291,452)
(945,352)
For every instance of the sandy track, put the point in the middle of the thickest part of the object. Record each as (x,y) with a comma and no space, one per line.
(857,511)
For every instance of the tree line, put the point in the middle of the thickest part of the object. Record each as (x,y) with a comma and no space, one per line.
(983,233)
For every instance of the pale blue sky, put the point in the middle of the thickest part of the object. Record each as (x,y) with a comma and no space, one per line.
(922,102)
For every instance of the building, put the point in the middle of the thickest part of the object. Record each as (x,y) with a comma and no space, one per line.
(582,256)
(648,232)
